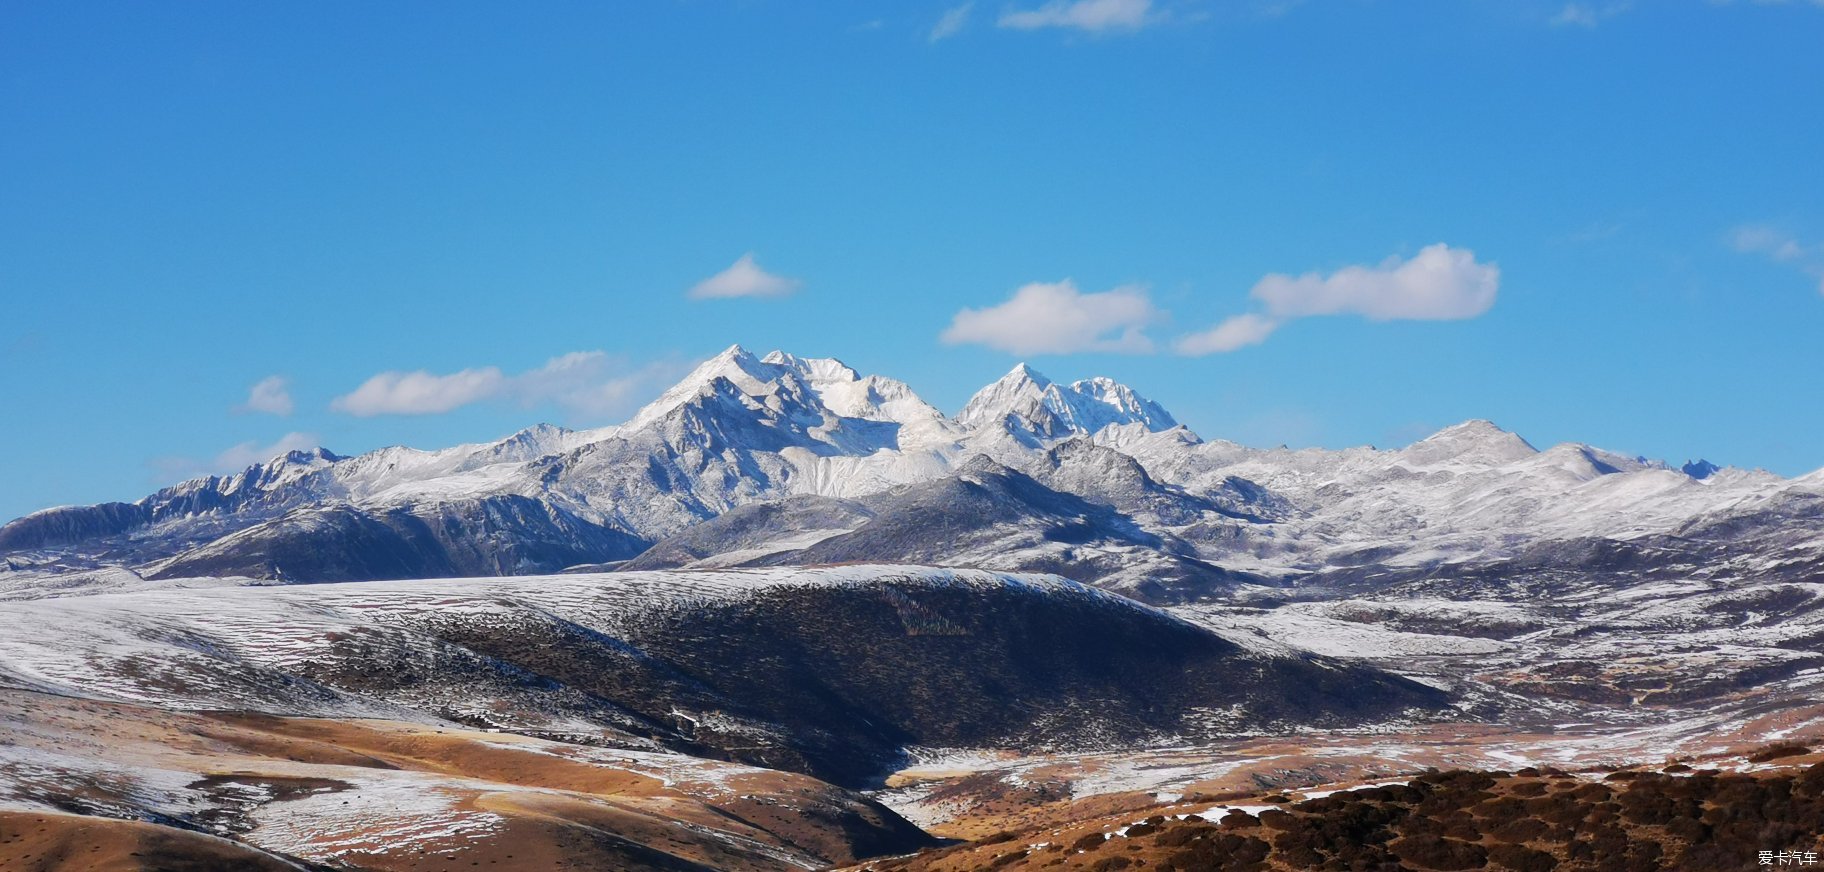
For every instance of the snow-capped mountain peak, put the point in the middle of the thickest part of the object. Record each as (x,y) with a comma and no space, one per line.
(735,364)
(275,472)
(1027,403)
(1022,370)
(816,369)
(744,431)
(535,441)
(1020,388)
(849,394)
(820,405)
(1475,442)
(1123,406)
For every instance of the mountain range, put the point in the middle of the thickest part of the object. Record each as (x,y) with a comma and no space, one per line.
(785,460)
(789,616)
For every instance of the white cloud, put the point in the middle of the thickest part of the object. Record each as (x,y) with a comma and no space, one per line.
(420,392)
(951,22)
(270,395)
(1586,15)
(1762,239)
(1239,331)
(233,459)
(588,384)
(1575,13)
(1818,3)
(1058,319)
(1780,247)
(1090,16)
(592,384)
(744,279)
(1440,283)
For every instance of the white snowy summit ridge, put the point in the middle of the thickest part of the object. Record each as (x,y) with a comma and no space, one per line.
(784,459)
(1025,401)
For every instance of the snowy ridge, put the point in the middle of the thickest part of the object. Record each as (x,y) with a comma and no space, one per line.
(1025,401)
(741,430)
(102,646)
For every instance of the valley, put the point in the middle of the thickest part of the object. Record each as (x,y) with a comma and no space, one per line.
(790,616)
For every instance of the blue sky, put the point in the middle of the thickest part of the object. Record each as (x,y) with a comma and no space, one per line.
(1587,222)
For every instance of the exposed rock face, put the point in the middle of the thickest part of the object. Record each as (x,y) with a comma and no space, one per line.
(502,535)
(253,493)
(72,524)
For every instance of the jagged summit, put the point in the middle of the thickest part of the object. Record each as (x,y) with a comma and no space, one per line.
(1700,469)
(541,430)
(1127,406)
(734,364)
(818,391)
(278,469)
(319,453)
(1020,388)
(534,441)
(824,369)
(1110,486)
(1027,403)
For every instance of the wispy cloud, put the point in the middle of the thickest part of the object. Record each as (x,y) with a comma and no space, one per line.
(1780,247)
(1440,283)
(1235,332)
(420,392)
(1056,318)
(588,384)
(232,459)
(951,22)
(1088,16)
(1586,14)
(593,385)
(744,279)
(1818,3)
(1775,244)
(270,395)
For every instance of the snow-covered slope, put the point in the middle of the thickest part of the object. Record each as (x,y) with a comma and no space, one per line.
(1027,403)
(827,671)
(743,430)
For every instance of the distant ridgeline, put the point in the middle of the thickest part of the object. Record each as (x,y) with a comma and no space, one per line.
(785,460)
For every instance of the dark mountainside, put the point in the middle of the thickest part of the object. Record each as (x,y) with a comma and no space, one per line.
(832,681)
